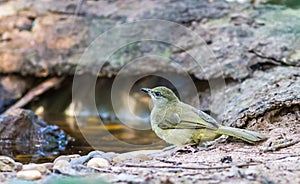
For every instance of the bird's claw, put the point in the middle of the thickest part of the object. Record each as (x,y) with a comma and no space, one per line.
(188,148)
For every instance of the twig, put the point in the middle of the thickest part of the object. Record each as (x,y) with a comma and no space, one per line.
(255,152)
(169,161)
(284,157)
(279,146)
(38,90)
(179,163)
(103,170)
(187,167)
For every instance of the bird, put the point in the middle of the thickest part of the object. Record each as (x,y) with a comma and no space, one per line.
(179,123)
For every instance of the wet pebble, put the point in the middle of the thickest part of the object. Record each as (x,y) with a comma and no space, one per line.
(8,164)
(39,167)
(95,154)
(62,157)
(98,162)
(81,160)
(74,156)
(29,175)
(48,165)
(109,156)
(100,154)
(61,166)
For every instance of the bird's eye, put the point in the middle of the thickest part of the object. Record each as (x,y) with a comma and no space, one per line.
(157,93)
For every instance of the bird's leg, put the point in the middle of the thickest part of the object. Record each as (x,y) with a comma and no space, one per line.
(211,144)
(168,148)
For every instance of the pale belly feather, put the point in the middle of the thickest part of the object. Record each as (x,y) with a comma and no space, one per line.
(175,136)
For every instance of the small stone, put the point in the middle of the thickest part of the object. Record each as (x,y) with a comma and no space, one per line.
(48,165)
(142,157)
(6,36)
(18,166)
(29,175)
(41,168)
(7,164)
(98,162)
(74,156)
(61,166)
(109,156)
(133,156)
(95,154)
(80,160)
(251,172)
(62,157)
(117,159)
(226,159)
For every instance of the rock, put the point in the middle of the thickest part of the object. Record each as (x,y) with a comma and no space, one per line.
(260,98)
(100,154)
(241,40)
(8,164)
(142,157)
(61,166)
(23,131)
(62,157)
(48,166)
(12,87)
(98,162)
(94,154)
(29,175)
(131,157)
(39,167)
(226,159)
(109,156)
(74,156)
(135,156)
(18,166)
(81,160)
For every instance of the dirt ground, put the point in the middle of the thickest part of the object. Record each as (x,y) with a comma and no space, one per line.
(276,160)
(231,162)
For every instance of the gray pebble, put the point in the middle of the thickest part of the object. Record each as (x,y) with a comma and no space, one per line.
(62,157)
(8,164)
(94,154)
(61,166)
(98,163)
(81,160)
(29,175)
(109,156)
(41,168)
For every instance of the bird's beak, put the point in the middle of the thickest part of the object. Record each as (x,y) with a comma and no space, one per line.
(146,90)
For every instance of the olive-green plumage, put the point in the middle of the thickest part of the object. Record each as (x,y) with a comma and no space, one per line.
(179,123)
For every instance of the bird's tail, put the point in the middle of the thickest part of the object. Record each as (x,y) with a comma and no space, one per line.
(246,135)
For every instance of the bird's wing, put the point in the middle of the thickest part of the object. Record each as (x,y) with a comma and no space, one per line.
(190,118)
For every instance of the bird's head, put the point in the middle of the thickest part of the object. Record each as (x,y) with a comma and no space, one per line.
(161,95)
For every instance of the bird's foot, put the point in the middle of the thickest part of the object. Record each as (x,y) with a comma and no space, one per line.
(188,148)
(208,145)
